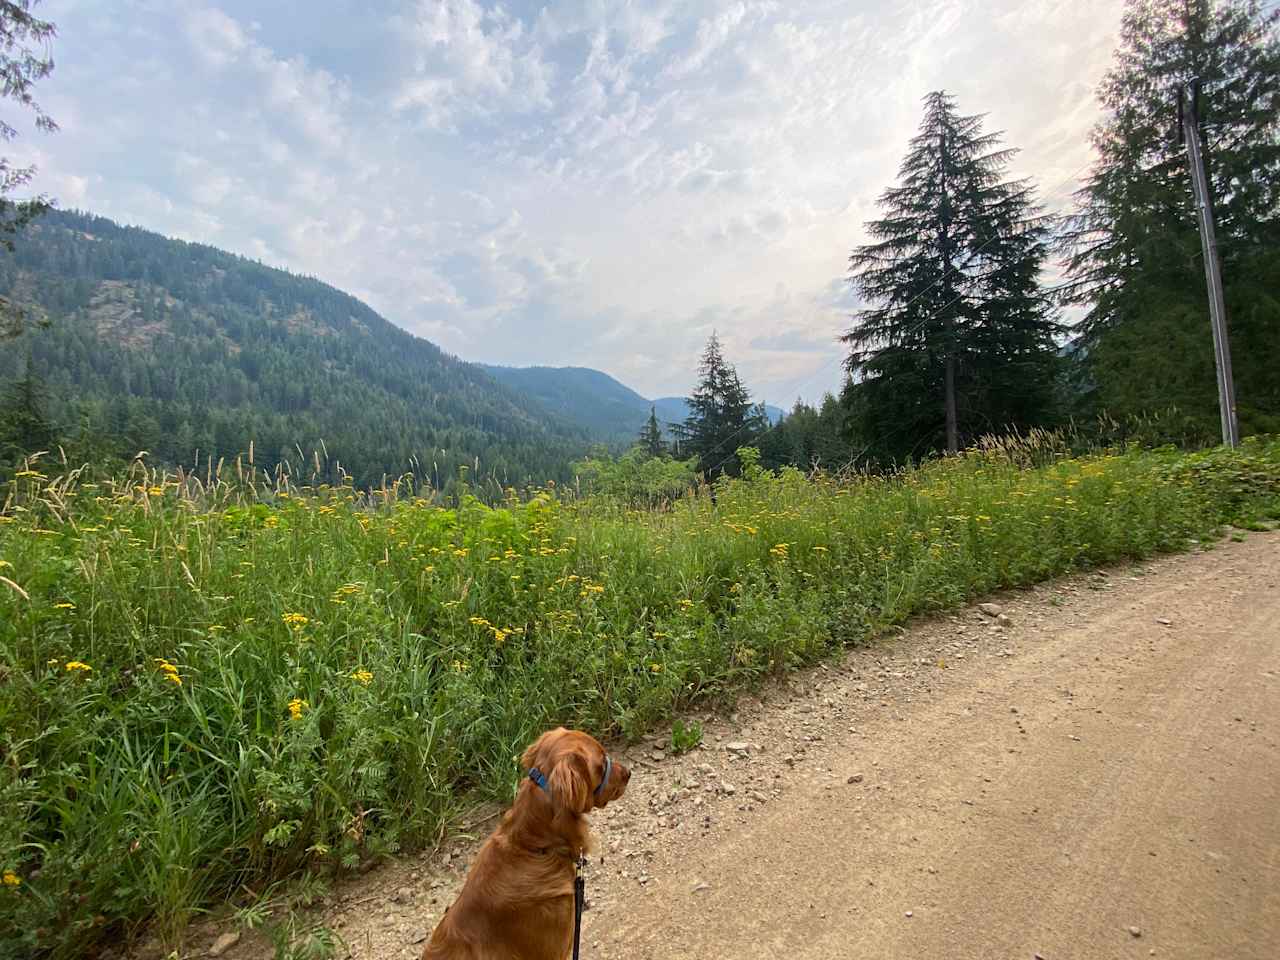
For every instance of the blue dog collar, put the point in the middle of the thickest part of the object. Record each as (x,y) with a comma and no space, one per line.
(540,778)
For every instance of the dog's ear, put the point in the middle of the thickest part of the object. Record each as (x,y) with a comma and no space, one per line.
(539,753)
(570,781)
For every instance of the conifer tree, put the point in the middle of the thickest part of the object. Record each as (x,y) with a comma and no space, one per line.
(722,417)
(650,440)
(956,339)
(1133,247)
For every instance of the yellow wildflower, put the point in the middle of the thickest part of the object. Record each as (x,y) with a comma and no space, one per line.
(11,879)
(362,676)
(79,665)
(296,707)
(64,606)
(295,621)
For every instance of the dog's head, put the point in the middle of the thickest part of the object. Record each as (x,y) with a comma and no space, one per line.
(575,770)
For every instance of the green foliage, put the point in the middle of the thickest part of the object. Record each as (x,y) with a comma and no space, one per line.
(190,354)
(1134,257)
(721,416)
(811,438)
(685,736)
(207,686)
(951,278)
(636,478)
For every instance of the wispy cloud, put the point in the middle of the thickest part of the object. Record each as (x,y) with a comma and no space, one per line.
(594,182)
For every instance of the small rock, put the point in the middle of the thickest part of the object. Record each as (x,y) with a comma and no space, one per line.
(420,936)
(1163,621)
(991,609)
(658,755)
(909,913)
(700,886)
(402,895)
(759,797)
(740,747)
(728,789)
(224,943)
(1004,621)
(856,778)
(1135,932)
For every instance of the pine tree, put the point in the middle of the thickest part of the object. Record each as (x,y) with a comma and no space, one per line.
(957,339)
(1133,249)
(24,425)
(24,59)
(722,417)
(650,440)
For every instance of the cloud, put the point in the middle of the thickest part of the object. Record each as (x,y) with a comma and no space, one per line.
(591,182)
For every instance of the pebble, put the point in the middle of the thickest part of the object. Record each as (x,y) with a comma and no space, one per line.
(991,609)
(856,778)
(700,886)
(1135,932)
(224,943)
(1164,622)
(740,747)
(909,913)
(728,789)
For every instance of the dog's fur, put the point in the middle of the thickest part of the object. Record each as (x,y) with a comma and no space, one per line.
(517,902)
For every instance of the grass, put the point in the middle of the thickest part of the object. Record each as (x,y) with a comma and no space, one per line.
(209,686)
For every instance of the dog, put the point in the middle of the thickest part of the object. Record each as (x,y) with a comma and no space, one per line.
(518,900)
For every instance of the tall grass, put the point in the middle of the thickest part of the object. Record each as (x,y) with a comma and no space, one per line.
(209,684)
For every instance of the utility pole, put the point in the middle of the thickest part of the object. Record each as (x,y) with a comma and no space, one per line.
(1189,133)
(949,375)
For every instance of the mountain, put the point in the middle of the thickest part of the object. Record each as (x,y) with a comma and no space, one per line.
(184,350)
(610,411)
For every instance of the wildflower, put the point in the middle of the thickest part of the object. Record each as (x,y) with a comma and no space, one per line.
(362,676)
(11,879)
(655,668)
(64,606)
(686,603)
(460,552)
(295,621)
(296,707)
(79,665)
(820,549)
(461,666)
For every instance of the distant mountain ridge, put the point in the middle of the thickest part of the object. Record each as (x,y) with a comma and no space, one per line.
(609,410)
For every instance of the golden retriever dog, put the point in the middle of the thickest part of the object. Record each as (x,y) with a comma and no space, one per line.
(518,900)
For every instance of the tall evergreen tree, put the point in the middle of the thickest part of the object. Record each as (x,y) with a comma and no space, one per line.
(650,440)
(24,425)
(957,337)
(1133,249)
(722,417)
(24,59)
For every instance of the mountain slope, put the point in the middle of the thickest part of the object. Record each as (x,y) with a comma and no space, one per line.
(177,348)
(609,410)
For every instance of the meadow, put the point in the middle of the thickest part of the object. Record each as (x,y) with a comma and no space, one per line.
(209,684)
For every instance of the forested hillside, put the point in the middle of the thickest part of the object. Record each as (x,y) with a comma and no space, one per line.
(179,348)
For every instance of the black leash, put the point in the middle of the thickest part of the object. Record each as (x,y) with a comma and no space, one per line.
(579,904)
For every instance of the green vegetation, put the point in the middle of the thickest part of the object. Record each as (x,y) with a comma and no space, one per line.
(210,685)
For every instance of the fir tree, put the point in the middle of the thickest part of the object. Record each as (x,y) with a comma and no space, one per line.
(722,417)
(24,59)
(650,440)
(1133,248)
(957,337)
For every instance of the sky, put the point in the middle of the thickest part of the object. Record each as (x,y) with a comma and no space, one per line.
(578,182)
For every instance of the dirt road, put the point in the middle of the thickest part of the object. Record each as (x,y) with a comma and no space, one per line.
(1096,775)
